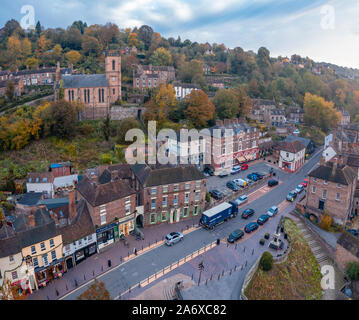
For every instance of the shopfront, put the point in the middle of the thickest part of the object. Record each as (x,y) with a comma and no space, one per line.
(106,235)
(84,253)
(126,225)
(46,274)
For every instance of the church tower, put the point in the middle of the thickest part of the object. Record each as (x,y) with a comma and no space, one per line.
(113,74)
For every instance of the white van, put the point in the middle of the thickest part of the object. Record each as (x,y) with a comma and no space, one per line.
(240,182)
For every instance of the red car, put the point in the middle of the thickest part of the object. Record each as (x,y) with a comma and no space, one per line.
(305,183)
(244,166)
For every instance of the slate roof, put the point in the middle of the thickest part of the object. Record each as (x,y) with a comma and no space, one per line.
(304,141)
(242,126)
(293,146)
(343,174)
(30,198)
(37,234)
(85,81)
(353,160)
(151,177)
(42,217)
(80,226)
(263,102)
(10,246)
(98,194)
(350,243)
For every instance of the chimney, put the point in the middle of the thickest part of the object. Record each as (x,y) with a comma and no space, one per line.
(31,218)
(335,166)
(72,204)
(322,161)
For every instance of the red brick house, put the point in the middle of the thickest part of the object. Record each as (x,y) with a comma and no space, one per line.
(169,194)
(148,77)
(61,169)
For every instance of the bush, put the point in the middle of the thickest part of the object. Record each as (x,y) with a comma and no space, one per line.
(267,236)
(326,222)
(262,242)
(266,262)
(353,270)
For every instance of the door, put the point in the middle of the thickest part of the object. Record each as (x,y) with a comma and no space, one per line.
(321,205)
(126,229)
(175,215)
(69,263)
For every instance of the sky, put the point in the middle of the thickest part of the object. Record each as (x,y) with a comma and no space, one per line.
(323,30)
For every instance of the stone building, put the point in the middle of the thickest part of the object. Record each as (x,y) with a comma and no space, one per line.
(147,77)
(96,91)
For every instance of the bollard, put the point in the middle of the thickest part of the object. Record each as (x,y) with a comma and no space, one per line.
(242,267)
(222,273)
(57,293)
(101,268)
(252,252)
(129,290)
(84,277)
(244,249)
(206,281)
(142,247)
(211,276)
(227,244)
(236,246)
(93,273)
(246,263)
(76,283)
(219,276)
(67,289)
(235,267)
(139,284)
(230,272)
(192,277)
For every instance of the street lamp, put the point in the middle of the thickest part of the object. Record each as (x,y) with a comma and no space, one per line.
(200,268)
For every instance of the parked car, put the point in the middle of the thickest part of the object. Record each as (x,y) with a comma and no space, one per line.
(216,194)
(231,185)
(253,177)
(305,183)
(291,196)
(235,236)
(208,171)
(354,232)
(223,174)
(272,211)
(249,182)
(259,175)
(240,182)
(244,166)
(299,189)
(173,238)
(263,219)
(241,199)
(247,213)
(236,169)
(272,183)
(251,227)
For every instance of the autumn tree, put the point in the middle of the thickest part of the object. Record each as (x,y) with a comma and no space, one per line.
(32,63)
(90,45)
(97,291)
(132,40)
(161,57)
(10,90)
(199,108)
(192,72)
(73,57)
(161,102)
(320,113)
(326,222)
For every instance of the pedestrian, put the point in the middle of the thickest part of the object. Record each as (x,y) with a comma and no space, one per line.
(135,251)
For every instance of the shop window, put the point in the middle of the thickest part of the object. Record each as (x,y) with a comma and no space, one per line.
(153,218)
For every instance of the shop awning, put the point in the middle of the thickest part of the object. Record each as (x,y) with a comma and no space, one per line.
(241,159)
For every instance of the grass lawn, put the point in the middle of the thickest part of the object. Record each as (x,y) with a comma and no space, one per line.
(298,278)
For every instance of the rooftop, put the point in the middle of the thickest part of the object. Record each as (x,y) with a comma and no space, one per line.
(343,174)
(85,81)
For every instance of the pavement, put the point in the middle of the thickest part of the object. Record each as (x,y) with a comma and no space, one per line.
(124,275)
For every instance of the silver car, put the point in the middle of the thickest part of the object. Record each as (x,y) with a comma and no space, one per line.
(173,238)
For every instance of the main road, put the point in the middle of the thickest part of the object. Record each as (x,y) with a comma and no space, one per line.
(119,279)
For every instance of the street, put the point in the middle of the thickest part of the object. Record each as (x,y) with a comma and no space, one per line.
(130,273)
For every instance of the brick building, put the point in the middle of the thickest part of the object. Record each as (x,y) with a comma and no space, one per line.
(61,169)
(291,155)
(96,91)
(260,108)
(169,194)
(295,114)
(331,189)
(147,77)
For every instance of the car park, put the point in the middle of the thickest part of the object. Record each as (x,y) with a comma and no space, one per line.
(272,211)
(272,183)
(263,219)
(291,196)
(247,213)
(235,236)
(252,177)
(231,185)
(299,189)
(240,182)
(216,194)
(241,200)
(173,238)
(235,169)
(244,166)
(251,227)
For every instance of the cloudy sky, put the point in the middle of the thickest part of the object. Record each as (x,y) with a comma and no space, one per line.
(321,29)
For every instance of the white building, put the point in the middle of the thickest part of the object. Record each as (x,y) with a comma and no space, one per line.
(41,182)
(65,181)
(291,155)
(184,89)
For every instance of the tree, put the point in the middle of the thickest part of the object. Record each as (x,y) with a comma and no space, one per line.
(326,222)
(32,63)
(199,109)
(97,291)
(38,28)
(353,270)
(226,103)
(192,71)
(266,261)
(145,34)
(320,113)
(90,45)
(106,127)
(73,56)
(123,127)
(132,40)
(10,90)
(161,57)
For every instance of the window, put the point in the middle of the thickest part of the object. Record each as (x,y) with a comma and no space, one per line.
(154,191)
(337,197)
(198,184)
(52,243)
(153,203)
(128,199)
(223,150)
(14,275)
(113,65)
(11,258)
(315,179)
(313,189)
(187,186)
(164,216)
(185,212)
(33,250)
(197,196)
(103,218)
(339,185)
(175,187)
(89,237)
(36,262)
(175,199)
(164,202)
(186,198)
(324,194)
(45,260)
(287,154)
(79,242)
(165,189)
(153,218)
(53,255)
(113,91)
(196,210)
(42,245)
(128,209)
(325,182)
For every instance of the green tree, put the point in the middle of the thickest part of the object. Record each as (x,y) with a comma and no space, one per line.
(353,270)
(199,108)
(161,57)
(106,127)
(266,261)
(226,103)
(38,28)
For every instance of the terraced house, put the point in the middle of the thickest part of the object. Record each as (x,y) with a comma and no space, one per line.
(169,194)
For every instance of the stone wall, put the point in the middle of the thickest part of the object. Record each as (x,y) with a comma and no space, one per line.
(343,256)
(123,112)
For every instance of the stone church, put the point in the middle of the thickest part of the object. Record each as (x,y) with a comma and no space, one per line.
(96,91)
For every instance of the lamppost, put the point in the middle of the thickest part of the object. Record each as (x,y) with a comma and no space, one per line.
(200,268)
